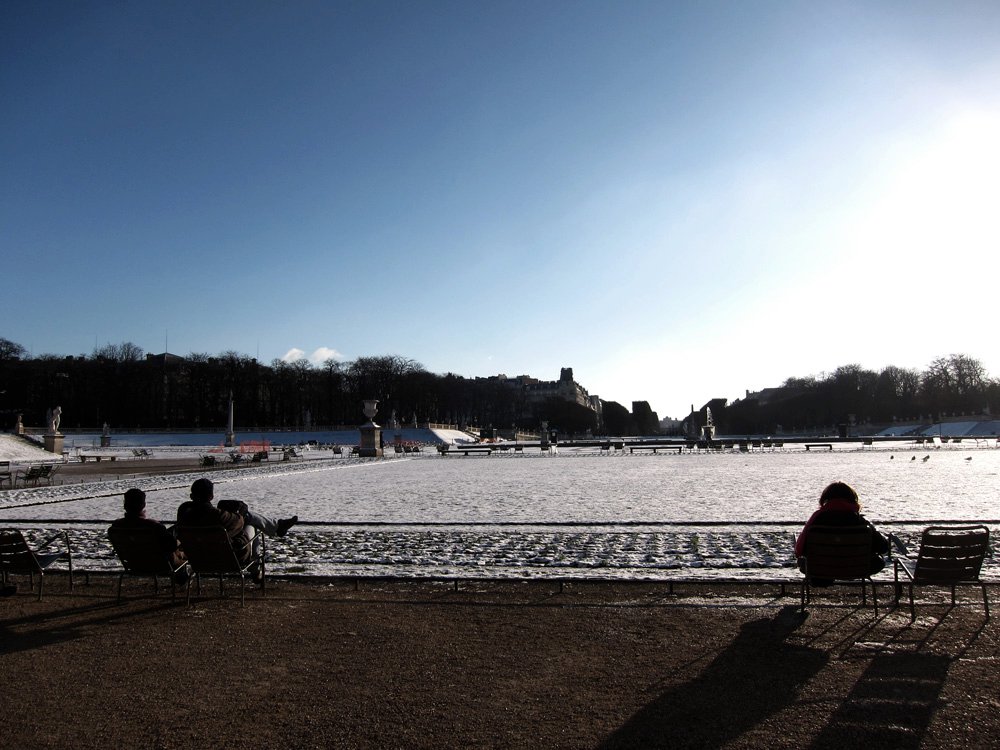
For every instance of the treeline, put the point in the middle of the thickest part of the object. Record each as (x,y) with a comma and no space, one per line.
(852,395)
(121,386)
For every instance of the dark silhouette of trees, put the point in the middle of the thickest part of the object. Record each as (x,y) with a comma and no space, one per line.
(950,386)
(122,386)
(617,419)
(10,351)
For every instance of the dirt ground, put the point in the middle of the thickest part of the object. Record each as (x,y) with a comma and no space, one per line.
(501,665)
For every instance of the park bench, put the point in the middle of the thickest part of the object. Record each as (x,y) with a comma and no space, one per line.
(96,457)
(828,446)
(655,448)
(445,450)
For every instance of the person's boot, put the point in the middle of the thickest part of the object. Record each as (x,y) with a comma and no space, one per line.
(284,524)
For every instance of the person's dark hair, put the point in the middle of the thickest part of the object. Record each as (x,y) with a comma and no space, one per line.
(202,490)
(135,500)
(838,491)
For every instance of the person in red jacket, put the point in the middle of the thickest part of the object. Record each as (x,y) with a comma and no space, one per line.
(839,506)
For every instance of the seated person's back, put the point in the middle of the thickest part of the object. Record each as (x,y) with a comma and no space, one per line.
(199,511)
(135,518)
(839,506)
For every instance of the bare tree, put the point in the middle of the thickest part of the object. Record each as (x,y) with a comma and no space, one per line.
(10,350)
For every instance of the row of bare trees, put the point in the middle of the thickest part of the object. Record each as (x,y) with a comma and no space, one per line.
(119,385)
(950,386)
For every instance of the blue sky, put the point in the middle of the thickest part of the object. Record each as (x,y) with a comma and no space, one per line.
(678,200)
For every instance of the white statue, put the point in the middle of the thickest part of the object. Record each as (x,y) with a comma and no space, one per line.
(53,417)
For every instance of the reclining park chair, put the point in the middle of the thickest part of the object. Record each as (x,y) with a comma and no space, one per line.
(838,553)
(17,557)
(948,556)
(210,552)
(141,555)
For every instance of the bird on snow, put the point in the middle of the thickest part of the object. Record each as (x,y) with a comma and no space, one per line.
(927,458)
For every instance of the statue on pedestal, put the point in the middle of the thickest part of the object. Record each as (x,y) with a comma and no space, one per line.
(52,419)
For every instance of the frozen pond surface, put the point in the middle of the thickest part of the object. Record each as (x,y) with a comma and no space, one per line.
(639,515)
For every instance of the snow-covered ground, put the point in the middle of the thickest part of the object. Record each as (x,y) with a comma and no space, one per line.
(18,450)
(574,513)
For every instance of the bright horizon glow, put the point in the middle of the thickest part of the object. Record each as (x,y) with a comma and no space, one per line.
(679,202)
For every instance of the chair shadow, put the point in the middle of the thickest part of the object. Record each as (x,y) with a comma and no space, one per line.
(891,705)
(51,626)
(758,674)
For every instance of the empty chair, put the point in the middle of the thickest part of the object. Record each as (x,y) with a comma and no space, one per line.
(948,556)
(210,552)
(141,554)
(17,557)
(838,553)
(35,474)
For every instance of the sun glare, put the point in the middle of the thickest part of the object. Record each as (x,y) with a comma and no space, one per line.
(939,198)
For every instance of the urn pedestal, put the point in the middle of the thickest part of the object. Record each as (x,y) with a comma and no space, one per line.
(54,443)
(371,441)
(371,434)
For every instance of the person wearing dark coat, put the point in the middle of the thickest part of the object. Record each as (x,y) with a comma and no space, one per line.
(135,518)
(240,523)
(839,506)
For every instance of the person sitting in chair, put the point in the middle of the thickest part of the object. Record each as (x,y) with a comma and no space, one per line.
(240,523)
(839,506)
(135,518)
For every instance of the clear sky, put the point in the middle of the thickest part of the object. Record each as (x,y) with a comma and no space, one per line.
(679,200)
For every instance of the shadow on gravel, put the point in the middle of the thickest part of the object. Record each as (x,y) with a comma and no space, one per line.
(54,625)
(757,675)
(890,706)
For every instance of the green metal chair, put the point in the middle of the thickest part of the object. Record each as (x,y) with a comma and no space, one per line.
(17,557)
(838,553)
(141,555)
(210,552)
(949,556)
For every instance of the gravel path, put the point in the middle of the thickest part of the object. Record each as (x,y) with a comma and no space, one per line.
(495,665)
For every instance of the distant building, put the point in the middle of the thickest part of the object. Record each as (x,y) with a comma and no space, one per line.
(164,359)
(670,426)
(566,388)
